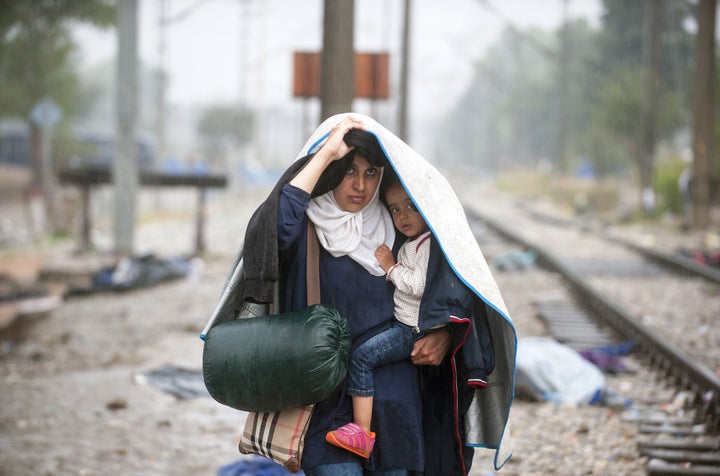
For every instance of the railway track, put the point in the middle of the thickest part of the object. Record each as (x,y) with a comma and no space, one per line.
(674,262)
(678,426)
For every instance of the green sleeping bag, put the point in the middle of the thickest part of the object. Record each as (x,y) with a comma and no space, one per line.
(267,363)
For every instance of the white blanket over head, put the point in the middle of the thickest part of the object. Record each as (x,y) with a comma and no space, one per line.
(487,421)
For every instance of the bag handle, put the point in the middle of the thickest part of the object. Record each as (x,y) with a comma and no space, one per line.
(312,267)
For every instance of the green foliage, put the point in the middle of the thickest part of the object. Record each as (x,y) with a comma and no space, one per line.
(507,115)
(666,184)
(621,100)
(623,34)
(510,114)
(36,50)
(224,127)
(573,195)
(621,38)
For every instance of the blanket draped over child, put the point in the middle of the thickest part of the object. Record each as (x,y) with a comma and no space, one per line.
(479,418)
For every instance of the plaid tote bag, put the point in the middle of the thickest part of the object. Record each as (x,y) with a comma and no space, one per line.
(279,436)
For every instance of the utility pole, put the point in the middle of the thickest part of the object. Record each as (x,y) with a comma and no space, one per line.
(161,78)
(703,130)
(245,49)
(651,72)
(164,21)
(337,65)
(404,73)
(246,11)
(125,164)
(563,59)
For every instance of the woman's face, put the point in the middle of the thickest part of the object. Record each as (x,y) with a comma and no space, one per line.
(358,185)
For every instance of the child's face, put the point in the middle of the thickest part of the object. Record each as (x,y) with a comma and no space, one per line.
(404,214)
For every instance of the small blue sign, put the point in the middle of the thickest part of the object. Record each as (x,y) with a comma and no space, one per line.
(46,114)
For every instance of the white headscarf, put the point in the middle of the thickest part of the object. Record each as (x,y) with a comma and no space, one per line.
(355,234)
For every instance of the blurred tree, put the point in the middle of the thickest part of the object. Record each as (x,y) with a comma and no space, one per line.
(509,114)
(624,35)
(36,56)
(618,105)
(705,103)
(643,89)
(224,127)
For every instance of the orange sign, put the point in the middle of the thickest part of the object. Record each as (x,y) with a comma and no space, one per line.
(371,75)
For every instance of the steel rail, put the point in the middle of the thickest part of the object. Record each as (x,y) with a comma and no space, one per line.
(676,263)
(662,355)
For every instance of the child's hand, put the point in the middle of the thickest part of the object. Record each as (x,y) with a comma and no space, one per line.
(385,257)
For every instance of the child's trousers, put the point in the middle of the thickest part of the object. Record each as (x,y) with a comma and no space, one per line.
(391,345)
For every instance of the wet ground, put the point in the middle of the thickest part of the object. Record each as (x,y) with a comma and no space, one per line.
(74,395)
(72,401)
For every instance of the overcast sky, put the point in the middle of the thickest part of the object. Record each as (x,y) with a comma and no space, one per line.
(219,49)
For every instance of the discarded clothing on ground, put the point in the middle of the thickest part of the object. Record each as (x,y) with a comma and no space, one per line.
(709,258)
(609,358)
(515,260)
(255,466)
(550,371)
(136,272)
(177,381)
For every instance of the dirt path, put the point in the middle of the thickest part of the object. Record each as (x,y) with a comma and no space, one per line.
(71,403)
(71,399)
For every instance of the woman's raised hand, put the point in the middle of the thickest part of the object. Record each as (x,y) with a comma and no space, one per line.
(335,146)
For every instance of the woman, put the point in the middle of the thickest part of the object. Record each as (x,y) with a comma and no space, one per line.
(418,407)
(350,222)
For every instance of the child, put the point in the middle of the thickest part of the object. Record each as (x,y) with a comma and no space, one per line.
(396,343)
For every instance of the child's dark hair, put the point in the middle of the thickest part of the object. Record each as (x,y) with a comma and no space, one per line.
(390,178)
(366,145)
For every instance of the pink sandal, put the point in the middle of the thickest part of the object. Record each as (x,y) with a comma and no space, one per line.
(352,438)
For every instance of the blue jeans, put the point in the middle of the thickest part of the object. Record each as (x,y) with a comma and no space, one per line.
(350,469)
(391,345)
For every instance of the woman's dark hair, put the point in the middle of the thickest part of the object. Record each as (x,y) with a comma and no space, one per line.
(365,145)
